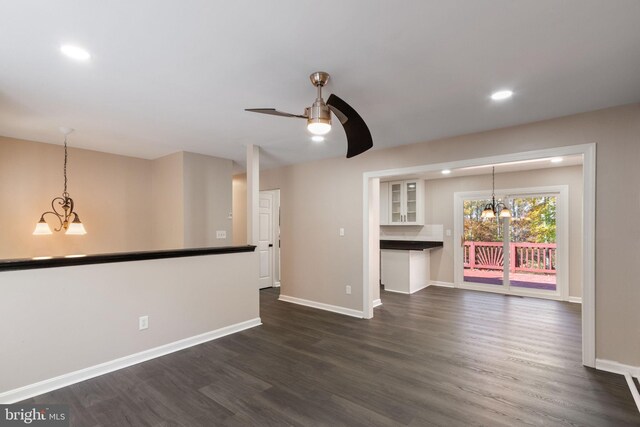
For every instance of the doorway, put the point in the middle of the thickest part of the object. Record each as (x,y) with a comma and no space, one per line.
(370,220)
(269,238)
(525,254)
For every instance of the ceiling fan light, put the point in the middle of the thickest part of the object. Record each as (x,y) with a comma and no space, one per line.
(319,126)
(42,228)
(76,228)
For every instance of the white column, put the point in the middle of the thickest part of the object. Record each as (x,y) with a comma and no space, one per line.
(253,193)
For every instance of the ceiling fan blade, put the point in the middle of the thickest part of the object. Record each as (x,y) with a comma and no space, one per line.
(273,112)
(358,136)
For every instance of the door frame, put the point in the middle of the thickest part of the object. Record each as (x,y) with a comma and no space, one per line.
(588,152)
(562,241)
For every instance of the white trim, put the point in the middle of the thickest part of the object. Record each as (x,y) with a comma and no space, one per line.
(575,300)
(588,152)
(406,293)
(420,288)
(617,367)
(377,303)
(633,389)
(321,306)
(396,292)
(31,390)
(276,285)
(367,306)
(441,284)
(589,256)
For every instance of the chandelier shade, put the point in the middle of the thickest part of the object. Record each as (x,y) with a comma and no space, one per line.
(42,228)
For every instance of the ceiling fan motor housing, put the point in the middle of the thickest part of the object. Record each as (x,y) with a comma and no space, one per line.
(318,112)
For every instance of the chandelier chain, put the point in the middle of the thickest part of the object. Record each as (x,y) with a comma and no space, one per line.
(493,182)
(65,164)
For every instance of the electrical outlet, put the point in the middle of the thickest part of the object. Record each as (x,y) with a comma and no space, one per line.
(221,234)
(143,322)
(341,231)
(348,290)
(448,233)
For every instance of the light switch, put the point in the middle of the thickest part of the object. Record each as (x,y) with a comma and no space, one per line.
(448,233)
(221,234)
(341,231)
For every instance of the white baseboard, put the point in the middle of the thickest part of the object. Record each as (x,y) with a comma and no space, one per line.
(633,389)
(576,300)
(322,306)
(442,284)
(407,293)
(420,288)
(31,390)
(617,367)
(628,371)
(396,292)
(276,284)
(377,303)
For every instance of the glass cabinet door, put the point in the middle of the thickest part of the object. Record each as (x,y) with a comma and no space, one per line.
(396,202)
(412,193)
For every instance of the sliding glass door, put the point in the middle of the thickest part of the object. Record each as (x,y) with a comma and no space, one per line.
(483,247)
(532,242)
(511,255)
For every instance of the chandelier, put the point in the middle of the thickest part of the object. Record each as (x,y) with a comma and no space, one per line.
(491,209)
(68,218)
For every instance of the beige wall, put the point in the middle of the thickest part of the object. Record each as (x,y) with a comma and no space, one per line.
(167,217)
(207,200)
(69,318)
(126,204)
(439,210)
(319,197)
(111,194)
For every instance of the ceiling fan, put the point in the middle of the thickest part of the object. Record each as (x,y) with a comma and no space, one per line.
(318,117)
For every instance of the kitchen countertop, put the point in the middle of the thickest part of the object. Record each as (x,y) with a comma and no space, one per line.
(409,245)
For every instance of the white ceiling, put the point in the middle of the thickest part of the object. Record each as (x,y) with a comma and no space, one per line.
(169,75)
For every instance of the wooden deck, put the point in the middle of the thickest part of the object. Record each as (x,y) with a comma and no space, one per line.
(521,280)
(439,357)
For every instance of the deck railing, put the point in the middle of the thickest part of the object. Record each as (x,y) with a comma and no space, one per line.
(524,257)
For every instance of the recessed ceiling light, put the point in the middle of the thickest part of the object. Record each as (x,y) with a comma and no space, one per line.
(446,171)
(75,52)
(501,95)
(317,138)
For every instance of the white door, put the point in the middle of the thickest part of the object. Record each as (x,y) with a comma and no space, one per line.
(265,239)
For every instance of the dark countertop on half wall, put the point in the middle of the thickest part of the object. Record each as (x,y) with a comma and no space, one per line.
(49,262)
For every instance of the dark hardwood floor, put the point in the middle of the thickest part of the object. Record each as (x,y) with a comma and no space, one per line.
(441,357)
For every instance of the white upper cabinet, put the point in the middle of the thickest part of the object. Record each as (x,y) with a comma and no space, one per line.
(405,203)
